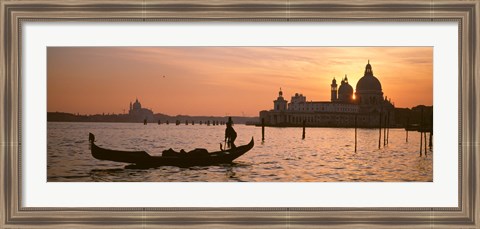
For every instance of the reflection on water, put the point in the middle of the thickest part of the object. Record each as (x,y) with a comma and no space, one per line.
(326,154)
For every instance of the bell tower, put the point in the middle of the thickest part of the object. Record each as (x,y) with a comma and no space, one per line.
(334,90)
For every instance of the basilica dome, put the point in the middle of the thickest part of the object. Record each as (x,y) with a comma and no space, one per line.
(345,89)
(369,82)
(137,105)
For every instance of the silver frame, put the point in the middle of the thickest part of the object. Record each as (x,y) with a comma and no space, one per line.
(13,13)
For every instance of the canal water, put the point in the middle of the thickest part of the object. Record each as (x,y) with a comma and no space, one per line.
(325,155)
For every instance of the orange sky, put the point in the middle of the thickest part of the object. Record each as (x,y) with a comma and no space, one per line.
(225,80)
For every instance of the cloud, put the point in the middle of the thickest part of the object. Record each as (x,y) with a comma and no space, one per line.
(239,75)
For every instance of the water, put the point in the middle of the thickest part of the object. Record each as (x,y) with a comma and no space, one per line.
(326,154)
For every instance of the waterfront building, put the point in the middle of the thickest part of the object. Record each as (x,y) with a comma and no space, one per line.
(368,105)
(137,113)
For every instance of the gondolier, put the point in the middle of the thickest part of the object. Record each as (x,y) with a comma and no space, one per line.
(230,134)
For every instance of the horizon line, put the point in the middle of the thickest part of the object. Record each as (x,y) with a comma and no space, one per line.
(246,116)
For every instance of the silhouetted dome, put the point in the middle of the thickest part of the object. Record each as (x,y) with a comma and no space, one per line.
(345,88)
(345,91)
(368,82)
(137,105)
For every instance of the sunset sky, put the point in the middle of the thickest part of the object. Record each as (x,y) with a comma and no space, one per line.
(223,81)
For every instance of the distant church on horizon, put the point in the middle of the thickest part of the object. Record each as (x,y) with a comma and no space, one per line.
(340,111)
(138,113)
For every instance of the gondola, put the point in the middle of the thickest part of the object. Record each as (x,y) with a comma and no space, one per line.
(141,159)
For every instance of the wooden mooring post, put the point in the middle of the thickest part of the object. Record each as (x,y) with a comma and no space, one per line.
(263,129)
(355,133)
(430,143)
(421,137)
(421,141)
(379,129)
(303,134)
(385,131)
(425,139)
(388,125)
(406,129)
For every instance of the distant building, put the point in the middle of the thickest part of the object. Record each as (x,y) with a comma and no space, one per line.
(137,113)
(340,111)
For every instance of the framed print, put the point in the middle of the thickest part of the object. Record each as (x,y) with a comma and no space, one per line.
(239,114)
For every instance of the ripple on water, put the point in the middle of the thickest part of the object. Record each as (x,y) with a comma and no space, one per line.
(326,155)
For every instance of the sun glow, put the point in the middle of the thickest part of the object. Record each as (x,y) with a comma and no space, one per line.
(220,80)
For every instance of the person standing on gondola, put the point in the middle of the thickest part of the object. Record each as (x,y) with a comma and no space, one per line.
(230,134)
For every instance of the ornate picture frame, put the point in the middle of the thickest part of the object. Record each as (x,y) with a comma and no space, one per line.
(13,13)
